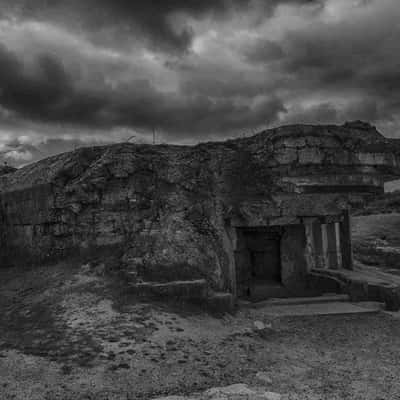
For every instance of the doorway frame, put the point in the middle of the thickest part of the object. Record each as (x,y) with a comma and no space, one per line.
(275,231)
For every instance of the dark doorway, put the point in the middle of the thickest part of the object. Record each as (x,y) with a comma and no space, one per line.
(264,253)
(258,263)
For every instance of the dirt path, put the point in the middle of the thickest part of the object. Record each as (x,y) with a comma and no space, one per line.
(66,333)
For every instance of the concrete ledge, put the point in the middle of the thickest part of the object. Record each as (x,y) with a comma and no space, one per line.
(194,290)
(363,286)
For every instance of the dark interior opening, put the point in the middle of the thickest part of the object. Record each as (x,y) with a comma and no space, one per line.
(258,263)
(264,253)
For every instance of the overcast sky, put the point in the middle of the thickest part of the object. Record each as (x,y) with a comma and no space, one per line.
(75,72)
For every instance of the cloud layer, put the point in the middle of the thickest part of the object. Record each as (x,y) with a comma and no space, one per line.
(75,73)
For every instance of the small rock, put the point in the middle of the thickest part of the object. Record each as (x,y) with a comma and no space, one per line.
(262,328)
(259,325)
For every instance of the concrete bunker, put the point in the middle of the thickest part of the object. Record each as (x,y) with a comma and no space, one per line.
(254,216)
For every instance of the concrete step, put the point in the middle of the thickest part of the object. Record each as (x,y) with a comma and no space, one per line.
(304,300)
(330,308)
(298,300)
(365,283)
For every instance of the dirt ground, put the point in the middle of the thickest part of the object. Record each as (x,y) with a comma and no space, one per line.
(70,333)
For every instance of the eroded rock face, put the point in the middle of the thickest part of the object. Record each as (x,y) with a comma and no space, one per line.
(169,212)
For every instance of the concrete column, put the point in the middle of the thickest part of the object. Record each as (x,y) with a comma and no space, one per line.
(230,242)
(310,250)
(325,257)
(332,251)
(317,241)
(338,247)
(345,241)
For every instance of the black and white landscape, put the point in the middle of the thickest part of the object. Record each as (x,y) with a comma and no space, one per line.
(198,199)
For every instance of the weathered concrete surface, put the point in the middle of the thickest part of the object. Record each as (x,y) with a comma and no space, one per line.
(170,212)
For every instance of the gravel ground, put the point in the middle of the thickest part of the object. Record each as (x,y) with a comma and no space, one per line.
(67,333)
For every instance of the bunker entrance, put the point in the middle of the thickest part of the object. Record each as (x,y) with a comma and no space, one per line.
(258,264)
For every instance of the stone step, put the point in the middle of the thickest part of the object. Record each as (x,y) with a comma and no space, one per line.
(298,300)
(330,308)
(304,300)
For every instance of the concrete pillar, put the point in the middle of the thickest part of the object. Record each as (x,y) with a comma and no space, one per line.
(325,257)
(338,247)
(230,243)
(332,251)
(310,250)
(317,241)
(345,241)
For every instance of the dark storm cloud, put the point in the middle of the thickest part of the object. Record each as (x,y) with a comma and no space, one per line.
(264,50)
(32,93)
(44,91)
(194,70)
(353,60)
(153,17)
(152,20)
